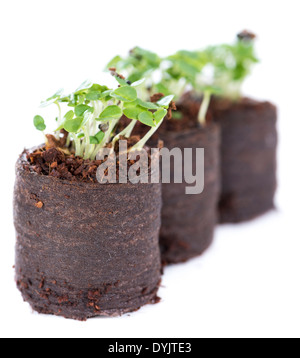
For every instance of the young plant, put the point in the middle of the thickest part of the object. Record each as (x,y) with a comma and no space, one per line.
(93,111)
(232,64)
(175,74)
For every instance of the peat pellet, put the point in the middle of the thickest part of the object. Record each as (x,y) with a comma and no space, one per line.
(86,249)
(188,221)
(248,158)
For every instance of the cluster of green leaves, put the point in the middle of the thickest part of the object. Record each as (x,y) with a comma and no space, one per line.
(93,112)
(140,63)
(232,64)
(227,67)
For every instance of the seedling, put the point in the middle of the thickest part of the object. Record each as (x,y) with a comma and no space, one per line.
(175,74)
(219,70)
(232,64)
(93,111)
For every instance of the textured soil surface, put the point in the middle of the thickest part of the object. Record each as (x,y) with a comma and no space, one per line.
(59,163)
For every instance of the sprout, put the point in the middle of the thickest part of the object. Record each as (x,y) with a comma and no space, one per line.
(232,64)
(229,65)
(174,74)
(96,111)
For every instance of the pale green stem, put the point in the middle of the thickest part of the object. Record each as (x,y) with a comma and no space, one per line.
(95,152)
(112,125)
(87,142)
(140,145)
(204,107)
(77,142)
(68,141)
(125,132)
(59,117)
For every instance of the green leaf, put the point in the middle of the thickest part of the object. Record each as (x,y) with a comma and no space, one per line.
(84,86)
(165,101)
(146,118)
(73,125)
(80,135)
(138,83)
(69,115)
(100,136)
(81,108)
(122,81)
(39,123)
(99,88)
(147,105)
(110,112)
(93,140)
(133,112)
(52,99)
(159,115)
(93,96)
(125,94)
(114,62)
(105,94)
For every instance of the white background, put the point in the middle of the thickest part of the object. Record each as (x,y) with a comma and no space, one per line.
(247,284)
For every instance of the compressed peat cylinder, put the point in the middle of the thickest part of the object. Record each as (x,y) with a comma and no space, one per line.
(248,158)
(86,249)
(188,221)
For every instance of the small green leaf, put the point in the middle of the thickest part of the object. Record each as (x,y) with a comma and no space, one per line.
(133,112)
(159,115)
(73,125)
(81,108)
(69,115)
(39,123)
(110,112)
(138,83)
(52,99)
(165,101)
(114,62)
(93,140)
(80,135)
(148,105)
(100,136)
(93,95)
(105,94)
(121,81)
(85,85)
(125,94)
(146,118)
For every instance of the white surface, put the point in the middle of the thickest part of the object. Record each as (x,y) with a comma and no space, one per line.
(247,284)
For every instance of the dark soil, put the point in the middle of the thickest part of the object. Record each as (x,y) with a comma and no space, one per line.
(248,157)
(54,162)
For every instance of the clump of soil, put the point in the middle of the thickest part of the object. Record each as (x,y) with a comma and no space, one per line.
(56,163)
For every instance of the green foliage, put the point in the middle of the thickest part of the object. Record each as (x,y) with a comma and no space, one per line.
(92,103)
(110,113)
(125,94)
(133,112)
(146,118)
(228,64)
(159,115)
(232,64)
